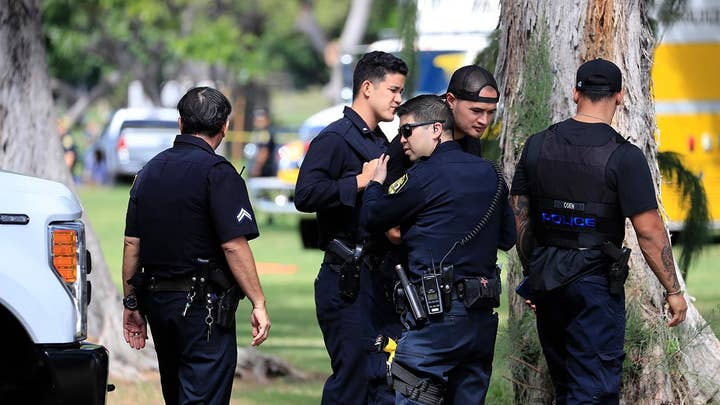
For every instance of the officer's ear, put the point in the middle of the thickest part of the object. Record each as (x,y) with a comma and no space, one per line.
(576,95)
(180,125)
(366,87)
(437,130)
(450,99)
(619,97)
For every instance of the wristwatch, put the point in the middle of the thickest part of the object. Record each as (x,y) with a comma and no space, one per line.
(130,302)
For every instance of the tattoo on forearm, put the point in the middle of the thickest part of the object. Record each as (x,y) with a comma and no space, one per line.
(668,263)
(520,206)
(525,240)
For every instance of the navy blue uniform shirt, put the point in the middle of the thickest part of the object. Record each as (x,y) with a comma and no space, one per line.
(326,183)
(440,202)
(184,204)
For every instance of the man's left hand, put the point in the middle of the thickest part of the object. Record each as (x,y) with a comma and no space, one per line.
(260,323)
(678,309)
(381,169)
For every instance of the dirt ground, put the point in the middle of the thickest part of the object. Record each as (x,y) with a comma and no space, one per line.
(147,391)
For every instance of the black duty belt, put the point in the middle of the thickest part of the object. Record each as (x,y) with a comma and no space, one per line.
(453,291)
(170,284)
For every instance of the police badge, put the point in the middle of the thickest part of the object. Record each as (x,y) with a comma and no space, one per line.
(398,184)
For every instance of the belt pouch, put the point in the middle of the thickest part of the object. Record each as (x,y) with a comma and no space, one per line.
(227,304)
(349,282)
(480,292)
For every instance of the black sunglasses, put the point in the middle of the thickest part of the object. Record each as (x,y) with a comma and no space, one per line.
(406,130)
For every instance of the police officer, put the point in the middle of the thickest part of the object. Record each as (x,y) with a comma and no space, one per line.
(574,185)
(472,95)
(336,169)
(186,250)
(453,212)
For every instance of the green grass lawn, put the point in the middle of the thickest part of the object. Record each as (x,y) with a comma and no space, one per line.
(702,285)
(295,335)
(290,109)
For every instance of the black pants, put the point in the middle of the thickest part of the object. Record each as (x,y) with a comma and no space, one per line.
(582,331)
(358,374)
(193,369)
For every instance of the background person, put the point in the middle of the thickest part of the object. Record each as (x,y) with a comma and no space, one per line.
(263,135)
(186,249)
(574,185)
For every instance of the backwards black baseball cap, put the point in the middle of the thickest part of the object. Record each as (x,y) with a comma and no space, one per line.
(598,76)
(466,83)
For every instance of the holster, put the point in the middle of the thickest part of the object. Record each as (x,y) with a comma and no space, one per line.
(399,298)
(227,304)
(619,269)
(224,285)
(349,281)
(424,390)
(480,292)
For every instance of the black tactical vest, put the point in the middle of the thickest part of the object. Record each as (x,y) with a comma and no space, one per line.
(571,203)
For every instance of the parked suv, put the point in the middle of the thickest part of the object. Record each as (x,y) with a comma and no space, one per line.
(44,295)
(133,136)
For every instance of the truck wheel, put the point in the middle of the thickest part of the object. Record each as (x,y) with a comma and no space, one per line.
(23,379)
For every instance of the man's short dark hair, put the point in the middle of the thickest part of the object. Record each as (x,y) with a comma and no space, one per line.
(427,107)
(203,110)
(373,66)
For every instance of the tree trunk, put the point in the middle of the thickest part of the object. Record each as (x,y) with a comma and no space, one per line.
(82,100)
(541,45)
(331,51)
(29,144)
(352,34)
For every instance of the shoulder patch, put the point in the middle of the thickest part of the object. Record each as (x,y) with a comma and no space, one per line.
(398,184)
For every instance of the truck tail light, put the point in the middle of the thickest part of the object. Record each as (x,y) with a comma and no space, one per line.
(121,143)
(68,259)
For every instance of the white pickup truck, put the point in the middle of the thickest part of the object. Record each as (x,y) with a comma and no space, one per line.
(44,295)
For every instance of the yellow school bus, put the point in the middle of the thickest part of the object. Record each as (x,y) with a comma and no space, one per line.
(686,82)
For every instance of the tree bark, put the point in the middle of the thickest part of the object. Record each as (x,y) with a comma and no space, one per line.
(30,144)
(541,45)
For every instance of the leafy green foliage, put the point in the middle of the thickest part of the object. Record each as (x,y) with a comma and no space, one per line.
(638,338)
(667,12)
(487,58)
(525,361)
(533,109)
(151,40)
(696,230)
